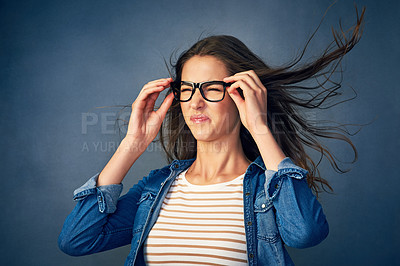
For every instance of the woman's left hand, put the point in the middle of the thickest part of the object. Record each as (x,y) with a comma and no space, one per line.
(253,108)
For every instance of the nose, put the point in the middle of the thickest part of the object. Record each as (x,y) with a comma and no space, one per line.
(197,102)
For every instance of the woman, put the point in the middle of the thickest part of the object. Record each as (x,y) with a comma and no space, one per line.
(240,187)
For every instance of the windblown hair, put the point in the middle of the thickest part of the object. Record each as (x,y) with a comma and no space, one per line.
(291,130)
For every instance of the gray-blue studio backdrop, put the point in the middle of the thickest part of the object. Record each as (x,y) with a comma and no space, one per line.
(61,59)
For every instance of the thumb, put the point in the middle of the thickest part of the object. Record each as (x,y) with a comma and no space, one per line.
(236,97)
(162,111)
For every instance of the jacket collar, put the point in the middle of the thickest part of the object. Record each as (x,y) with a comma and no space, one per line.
(259,162)
(181,164)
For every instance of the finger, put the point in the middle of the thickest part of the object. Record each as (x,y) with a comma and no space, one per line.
(155,86)
(242,84)
(151,101)
(247,78)
(144,96)
(151,98)
(159,80)
(257,80)
(152,84)
(152,89)
(251,95)
(253,75)
(166,104)
(249,87)
(236,97)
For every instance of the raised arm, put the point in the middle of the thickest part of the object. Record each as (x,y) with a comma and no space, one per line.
(299,216)
(101,220)
(143,127)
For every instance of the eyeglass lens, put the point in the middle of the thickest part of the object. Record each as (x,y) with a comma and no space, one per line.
(212,91)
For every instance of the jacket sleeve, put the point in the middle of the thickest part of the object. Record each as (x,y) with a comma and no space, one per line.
(299,216)
(100,220)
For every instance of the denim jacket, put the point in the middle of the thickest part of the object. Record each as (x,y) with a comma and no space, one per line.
(279,209)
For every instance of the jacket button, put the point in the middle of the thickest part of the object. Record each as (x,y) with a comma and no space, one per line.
(251,255)
(176,166)
(276,186)
(263,206)
(249,223)
(247,193)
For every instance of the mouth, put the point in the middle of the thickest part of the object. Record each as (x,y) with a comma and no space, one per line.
(197,119)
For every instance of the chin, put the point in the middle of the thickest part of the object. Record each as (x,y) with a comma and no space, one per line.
(207,133)
(203,136)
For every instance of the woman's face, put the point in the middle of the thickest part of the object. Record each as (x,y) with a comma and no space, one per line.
(209,121)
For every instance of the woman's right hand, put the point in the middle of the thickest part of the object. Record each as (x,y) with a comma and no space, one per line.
(143,127)
(145,122)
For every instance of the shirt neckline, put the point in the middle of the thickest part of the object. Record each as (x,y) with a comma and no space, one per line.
(185,181)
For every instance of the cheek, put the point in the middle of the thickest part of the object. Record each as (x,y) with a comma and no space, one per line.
(230,112)
(185,111)
(184,108)
(231,107)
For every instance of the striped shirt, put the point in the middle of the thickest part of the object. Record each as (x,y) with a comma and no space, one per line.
(199,225)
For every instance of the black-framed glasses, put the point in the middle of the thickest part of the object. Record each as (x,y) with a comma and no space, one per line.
(212,91)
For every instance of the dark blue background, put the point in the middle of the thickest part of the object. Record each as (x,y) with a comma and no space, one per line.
(61,59)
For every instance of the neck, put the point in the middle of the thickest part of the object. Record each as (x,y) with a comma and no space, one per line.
(218,161)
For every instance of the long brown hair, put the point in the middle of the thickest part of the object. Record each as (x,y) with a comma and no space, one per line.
(284,84)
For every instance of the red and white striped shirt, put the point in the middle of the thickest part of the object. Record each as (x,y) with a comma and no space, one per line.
(199,225)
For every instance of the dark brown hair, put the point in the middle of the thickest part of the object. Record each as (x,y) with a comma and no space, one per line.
(284,84)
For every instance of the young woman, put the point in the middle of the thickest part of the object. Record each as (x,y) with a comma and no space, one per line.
(239,187)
